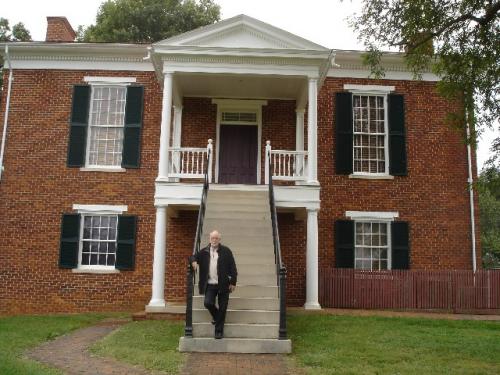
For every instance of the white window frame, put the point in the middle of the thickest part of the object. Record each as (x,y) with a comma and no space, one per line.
(95,210)
(374,217)
(102,82)
(373,90)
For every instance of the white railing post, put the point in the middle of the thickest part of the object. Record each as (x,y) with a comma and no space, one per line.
(210,149)
(266,167)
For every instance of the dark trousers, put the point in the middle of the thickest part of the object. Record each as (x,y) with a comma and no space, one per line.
(218,314)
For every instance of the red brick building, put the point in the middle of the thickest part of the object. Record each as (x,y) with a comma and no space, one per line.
(102,163)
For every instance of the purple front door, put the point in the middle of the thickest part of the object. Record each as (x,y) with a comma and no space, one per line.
(238,154)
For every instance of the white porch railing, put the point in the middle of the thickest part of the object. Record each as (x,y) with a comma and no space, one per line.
(286,165)
(190,162)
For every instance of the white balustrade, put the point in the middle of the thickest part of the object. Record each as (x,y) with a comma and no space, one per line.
(286,165)
(190,162)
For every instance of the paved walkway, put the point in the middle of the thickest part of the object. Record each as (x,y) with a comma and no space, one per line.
(236,364)
(70,354)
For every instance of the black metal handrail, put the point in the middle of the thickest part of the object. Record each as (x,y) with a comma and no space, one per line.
(191,274)
(280,267)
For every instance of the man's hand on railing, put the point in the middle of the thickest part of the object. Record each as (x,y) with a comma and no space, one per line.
(232,288)
(194,265)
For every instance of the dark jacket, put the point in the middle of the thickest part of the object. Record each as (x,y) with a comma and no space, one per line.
(226,268)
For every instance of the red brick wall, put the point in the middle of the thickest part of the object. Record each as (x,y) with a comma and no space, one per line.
(37,187)
(432,198)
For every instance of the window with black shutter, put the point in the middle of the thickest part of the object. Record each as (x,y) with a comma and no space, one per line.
(78,126)
(400,245)
(70,237)
(106,123)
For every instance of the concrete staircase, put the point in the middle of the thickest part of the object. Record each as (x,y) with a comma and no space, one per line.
(252,320)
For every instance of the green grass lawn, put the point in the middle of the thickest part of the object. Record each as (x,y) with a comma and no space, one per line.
(322,344)
(329,344)
(151,344)
(20,333)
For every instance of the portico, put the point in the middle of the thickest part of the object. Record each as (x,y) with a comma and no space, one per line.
(240,65)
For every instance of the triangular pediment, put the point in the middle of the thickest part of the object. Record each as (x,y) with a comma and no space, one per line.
(241,32)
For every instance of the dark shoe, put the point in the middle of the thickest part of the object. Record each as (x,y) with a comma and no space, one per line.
(219,335)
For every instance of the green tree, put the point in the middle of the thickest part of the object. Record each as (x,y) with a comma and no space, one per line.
(147,21)
(457,39)
(489,206)
(19,34)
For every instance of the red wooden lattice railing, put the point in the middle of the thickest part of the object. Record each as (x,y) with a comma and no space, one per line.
(410,290)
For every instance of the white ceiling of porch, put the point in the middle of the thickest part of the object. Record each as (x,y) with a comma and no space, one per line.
(241,86)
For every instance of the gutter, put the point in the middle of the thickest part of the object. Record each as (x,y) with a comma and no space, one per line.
(7,107)
(471,197)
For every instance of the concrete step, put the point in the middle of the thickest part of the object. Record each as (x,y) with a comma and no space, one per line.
(235,206)
(251,291)
(264,279)
(237,215)
(234,345)
(238,224)
(245,238)
(251,229)
(243,303)
(256,269)
(233,330)
(242,259)
(239,316)
(238,193)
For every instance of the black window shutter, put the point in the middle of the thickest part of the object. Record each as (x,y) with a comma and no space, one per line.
(133,124)
(125,249)
(78,126)
(400,245)
(344,243)
(343,133)
(397,136)
(70,237)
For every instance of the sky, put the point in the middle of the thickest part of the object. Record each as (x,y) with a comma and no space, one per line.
(321,21)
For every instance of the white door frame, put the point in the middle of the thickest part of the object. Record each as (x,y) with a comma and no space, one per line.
(234,105)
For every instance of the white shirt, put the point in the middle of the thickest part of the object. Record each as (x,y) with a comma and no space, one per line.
(212,272)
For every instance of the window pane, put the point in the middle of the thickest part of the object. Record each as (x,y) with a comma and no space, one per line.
(85,258)
(368,117)
(371,245)
(102,230)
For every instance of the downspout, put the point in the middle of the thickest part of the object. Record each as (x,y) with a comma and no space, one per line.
(471,195)
(7,107)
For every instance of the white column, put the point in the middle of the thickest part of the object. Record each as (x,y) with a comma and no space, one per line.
(312,260)
(312,117)
(176,141)
(158,285)
(166,119)
(176,137)
(299,137)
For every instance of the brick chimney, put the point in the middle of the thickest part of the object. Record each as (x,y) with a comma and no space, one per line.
(59,30)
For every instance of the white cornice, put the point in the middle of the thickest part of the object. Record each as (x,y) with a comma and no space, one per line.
(259,28)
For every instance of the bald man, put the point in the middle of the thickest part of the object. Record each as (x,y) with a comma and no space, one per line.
(217,278)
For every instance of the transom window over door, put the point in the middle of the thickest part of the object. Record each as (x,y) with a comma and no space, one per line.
(106,118)
(369,134)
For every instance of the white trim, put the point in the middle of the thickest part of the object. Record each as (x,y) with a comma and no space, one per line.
(109,80)
(96,269)
(372,176)
(82,64)
(369,89)
(100,209)
(371,215)
(102,169)
(240,105)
